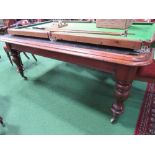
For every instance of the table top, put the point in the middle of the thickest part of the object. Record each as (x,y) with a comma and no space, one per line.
(138,33)
(100,53)
(143,31)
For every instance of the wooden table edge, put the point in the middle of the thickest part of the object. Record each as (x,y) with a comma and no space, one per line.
(140,60)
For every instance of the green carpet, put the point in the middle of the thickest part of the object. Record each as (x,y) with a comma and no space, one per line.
(62,98)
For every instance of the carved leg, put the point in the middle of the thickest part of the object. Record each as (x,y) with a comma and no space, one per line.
(17,60)
(121,93)
(1,121)
(124,77)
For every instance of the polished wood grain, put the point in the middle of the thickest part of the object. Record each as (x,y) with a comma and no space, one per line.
(116,42)
(34,33)
(128,60)
(124,77)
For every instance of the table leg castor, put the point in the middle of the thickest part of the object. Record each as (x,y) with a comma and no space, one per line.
(114,119)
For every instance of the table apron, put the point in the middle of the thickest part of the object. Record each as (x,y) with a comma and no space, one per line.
(79,60)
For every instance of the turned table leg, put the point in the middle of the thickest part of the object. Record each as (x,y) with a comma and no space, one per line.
(17,60)
(124,78)
(121,94)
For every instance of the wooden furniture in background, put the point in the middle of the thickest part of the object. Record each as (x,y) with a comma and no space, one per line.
(11,23)
(114,23)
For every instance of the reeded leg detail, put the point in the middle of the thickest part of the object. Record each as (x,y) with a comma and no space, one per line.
(121,94)
(17,60)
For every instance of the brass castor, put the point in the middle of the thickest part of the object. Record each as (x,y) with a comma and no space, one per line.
(114,119)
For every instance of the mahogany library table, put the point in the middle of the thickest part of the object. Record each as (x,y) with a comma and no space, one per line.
(127,57)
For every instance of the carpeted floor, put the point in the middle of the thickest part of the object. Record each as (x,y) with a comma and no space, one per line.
(146,120)
(62,98)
